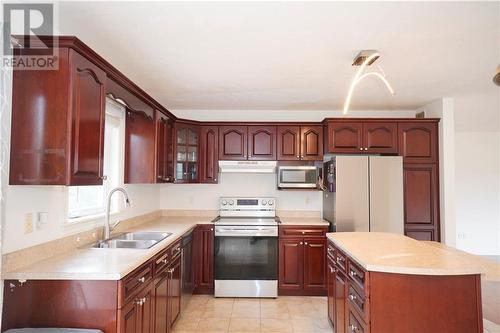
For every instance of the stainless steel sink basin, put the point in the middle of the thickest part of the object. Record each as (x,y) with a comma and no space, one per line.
(133,240)
(125,244)
(158,236)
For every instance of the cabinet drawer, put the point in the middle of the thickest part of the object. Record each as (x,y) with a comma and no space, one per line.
(358,302)
(161,261)
(341,260)
(175,249)
(136,280)
(330,250)
(355,324)
(357,276)
(302,231)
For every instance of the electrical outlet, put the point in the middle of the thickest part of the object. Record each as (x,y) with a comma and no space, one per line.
(28,223)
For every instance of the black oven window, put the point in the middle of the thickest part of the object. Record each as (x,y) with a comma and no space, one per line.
(246,258)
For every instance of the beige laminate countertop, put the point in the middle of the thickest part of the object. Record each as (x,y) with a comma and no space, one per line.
(394,253)
(106,264)
(315,221)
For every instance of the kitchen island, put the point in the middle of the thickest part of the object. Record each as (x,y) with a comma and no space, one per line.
(381,283)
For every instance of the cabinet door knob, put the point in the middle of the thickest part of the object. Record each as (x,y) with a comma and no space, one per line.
(305,243)
(352,273)
(103,177)
(352,297)
(142,279)
(353,328)
(303,232)
(366,148)
(211,229)
(361,148)
(164,261)
(298,156)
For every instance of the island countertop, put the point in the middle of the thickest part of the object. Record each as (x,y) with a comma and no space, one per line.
(88,263)
(394,253)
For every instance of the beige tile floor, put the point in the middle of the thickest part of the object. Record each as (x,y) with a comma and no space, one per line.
(284,314)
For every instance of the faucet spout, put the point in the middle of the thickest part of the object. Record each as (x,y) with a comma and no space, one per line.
(107,227)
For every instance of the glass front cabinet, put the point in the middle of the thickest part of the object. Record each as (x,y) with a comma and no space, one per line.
(187,153)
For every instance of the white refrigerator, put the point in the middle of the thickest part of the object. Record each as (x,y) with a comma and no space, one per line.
(365,193)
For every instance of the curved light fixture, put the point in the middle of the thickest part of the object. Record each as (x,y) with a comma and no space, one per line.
(360,76)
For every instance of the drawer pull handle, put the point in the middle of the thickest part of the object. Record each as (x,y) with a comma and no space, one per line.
(305,243)
(340,259)
(330,250)
(164,261)
(142,279)
(352,273)
(353,328)
(303,232)
(332,270)
(352,297)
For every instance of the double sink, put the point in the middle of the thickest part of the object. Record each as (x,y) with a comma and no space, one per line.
(132,240)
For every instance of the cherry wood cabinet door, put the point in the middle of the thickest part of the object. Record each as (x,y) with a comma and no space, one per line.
(418,142)
(380,137)
(291,264)
(186,153)
(88,98)
(314,264)
(164,149)
(129,318)
(161,304)
(421,201)
(311,138)
(330,284)
(288,143)
(209,154)
(262,143)
(174,291)
(344,137)
(233,142)
(140,148)
(340,301)
(145,310)
(203,244)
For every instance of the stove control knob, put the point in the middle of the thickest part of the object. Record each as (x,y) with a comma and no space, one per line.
(264,202)
(224,202)
(270,202)
(231,202)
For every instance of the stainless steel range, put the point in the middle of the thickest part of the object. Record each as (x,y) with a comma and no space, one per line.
(246,248)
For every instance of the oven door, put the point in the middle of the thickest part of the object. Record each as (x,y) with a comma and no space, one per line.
(246,253)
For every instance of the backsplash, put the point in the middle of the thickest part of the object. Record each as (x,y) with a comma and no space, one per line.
(206,196)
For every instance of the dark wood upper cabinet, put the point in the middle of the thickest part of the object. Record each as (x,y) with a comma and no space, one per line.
(262,142)
(44,149)
(209,154)
(288,143)
(186,152)
(418,142)
(311,138)
(421,201)
(344,137)
(140,152)
(233,142)
(88,111)
(380,137)
(164,149)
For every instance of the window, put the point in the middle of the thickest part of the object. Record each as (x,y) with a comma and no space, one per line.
(84,201)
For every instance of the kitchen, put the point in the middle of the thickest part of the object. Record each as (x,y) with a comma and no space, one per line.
(247,206)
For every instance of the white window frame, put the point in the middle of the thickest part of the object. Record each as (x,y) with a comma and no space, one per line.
(114,112)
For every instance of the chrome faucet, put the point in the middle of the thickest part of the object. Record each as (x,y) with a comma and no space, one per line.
(107,227)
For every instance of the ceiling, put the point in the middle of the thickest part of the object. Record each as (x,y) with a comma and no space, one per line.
(291,55)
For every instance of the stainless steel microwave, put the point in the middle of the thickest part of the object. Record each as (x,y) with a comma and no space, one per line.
(298,176)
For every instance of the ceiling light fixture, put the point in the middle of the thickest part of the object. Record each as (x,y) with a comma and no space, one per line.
(363,59)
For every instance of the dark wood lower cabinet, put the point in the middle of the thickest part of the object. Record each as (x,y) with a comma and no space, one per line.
(362,301)
(174,291)
(302,266)
(203,250)
(147,300)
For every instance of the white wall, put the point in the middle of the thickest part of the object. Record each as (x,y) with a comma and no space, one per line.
(21,200)
(477,155)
